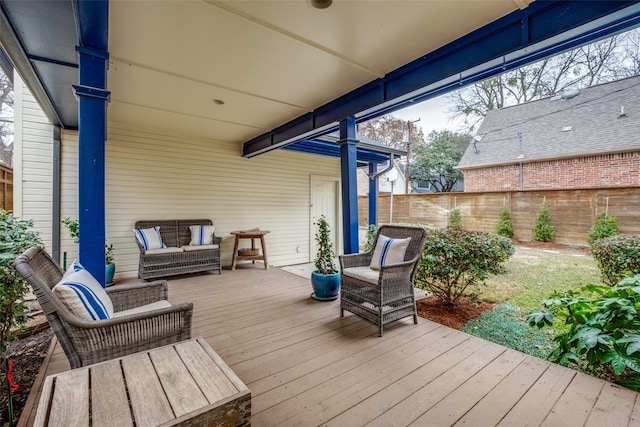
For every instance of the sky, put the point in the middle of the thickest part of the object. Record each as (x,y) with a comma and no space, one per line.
(433,115)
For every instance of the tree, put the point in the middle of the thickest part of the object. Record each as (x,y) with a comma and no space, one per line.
(599,62)
(543,229)
(389,130)
(6,117)
(435,160)
(505,223)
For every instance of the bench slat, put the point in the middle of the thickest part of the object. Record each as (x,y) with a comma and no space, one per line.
(149,403)
(182,391)
(71,400)
(212,380)
(109,402)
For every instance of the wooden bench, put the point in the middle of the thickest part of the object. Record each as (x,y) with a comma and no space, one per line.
(176,385)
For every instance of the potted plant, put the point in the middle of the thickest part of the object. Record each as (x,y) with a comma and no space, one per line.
(110,266)
(325,279)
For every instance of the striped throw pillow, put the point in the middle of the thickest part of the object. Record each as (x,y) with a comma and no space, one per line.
(150,238)
(81,293)
(388,251)
(201,235)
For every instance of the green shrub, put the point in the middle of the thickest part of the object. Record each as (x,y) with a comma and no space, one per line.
(455,219)
(15,237)
(606,226)
(506,326)
(454,261)
(603,330)
(543,230)
(371,235)
(505,223)
(617,257)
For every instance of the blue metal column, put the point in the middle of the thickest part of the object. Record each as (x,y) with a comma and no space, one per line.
(92,18)
(373,195)
(348,169)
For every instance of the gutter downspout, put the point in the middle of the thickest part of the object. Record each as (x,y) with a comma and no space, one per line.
(375,176)
(56,184)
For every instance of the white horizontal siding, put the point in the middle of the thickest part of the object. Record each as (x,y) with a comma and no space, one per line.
(33,162)
(152,175)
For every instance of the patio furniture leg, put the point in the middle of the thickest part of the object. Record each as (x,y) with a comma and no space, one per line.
(264,252)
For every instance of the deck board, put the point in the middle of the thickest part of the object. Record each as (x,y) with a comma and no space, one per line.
(305,365)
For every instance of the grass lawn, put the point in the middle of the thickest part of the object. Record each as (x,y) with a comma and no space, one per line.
(531,275)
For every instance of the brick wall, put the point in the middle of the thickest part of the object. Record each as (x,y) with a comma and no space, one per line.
(602,171)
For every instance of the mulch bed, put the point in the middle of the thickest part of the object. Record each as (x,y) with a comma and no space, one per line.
(453,316)
(27,354)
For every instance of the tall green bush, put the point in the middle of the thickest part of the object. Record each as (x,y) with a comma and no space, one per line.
(505,223)
(15,237)
(543,230)
(371,234)
(455,219)
(603,336)
(605,226)
(617,257)
(455,261)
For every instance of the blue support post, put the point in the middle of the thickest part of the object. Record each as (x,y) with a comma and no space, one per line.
(92,18)
(348,168)
(373,195)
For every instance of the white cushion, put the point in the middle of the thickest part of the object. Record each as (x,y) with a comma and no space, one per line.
(164,250)
(201,247)
(149,238)
(153,306)
(201,235)
(388,251)
(365,273)
(81,293)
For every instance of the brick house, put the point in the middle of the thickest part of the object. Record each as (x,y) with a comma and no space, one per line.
(581,139)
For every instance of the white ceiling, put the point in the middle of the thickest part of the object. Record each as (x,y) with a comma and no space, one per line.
(269,61)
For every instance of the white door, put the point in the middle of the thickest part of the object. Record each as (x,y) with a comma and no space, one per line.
(324,201)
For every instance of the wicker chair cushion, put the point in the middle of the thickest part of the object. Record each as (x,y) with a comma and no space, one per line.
(165,250)
(389,251)
(149,238)
(366,274)
(143,308)
(201,235)
(81,293)
(200,248)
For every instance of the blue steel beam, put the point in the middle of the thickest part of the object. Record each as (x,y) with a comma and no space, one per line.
(92,19)
(542,29)
(373,194)
(348,168)
(331,149)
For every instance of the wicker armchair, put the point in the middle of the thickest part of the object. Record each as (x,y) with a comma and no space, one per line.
(85,341)
(391,296)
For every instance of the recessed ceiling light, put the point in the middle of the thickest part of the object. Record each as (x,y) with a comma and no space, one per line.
(216,101)
(321,4)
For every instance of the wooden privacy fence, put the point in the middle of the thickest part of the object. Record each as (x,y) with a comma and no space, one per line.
(6,188)
(573,212)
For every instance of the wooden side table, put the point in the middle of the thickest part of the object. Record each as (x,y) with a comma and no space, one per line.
(182,384)
(253,235)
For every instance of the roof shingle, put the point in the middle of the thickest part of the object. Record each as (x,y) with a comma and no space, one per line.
(589,123)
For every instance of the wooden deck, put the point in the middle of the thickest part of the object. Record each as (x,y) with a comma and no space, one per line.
(306,366)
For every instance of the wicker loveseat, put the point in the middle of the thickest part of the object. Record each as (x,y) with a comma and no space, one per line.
(177,235)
